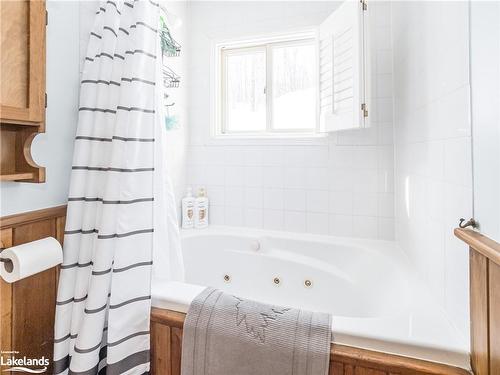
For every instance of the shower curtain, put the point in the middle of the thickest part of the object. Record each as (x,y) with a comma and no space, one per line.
(119,197)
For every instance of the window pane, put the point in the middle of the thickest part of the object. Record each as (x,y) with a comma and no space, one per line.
(245,92)
(294,97)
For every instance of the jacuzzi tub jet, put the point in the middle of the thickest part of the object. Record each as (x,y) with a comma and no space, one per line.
(277,280)
(227,278)
(308,283)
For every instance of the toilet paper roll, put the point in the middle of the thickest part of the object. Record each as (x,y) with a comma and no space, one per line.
(30,258)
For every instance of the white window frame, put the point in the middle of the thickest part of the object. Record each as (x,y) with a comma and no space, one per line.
(266,44)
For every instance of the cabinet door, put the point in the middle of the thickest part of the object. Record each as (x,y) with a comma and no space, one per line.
(22,62)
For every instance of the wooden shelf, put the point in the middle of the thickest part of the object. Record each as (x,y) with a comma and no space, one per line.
(17,177)
(16,163)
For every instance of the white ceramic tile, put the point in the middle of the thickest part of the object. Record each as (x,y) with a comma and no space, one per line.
(294,156)
(385,181)
(385,229)
(385,134)
(384,62)
(365,180)
(341,202)
(386,205)
(214,175)
(317,201)
(457,283)
(317,223)
(435,160)
(196,175)
(341,157)
(382,37)
(294,199)
(234,176)
(316,156)
(234,197)
(385,157)
(253,176)
(295,177)
(365,226)
(340,225)
(458,161)
(273,199)
(455,112)
(341,179)
(253,217)
(233,155)
(216,195)
(253,156)
(384,86)
(233,216)
(273,177)
(317,178)
(212,155)
(432,146)
(365,204)
(253,197)
(216,215)
(295,221)
(273,219)
(383,110)
(272,156)
(435,200)
(364,157)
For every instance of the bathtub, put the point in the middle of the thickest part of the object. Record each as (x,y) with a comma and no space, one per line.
(376,300)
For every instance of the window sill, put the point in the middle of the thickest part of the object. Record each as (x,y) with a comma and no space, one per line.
(269,140)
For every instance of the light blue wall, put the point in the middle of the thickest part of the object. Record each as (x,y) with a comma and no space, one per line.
(54,149)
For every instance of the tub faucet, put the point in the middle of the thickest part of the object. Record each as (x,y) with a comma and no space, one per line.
(255,245)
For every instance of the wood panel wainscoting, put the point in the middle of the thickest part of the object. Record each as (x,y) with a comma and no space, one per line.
(484,259)
(27,306)
(166,348)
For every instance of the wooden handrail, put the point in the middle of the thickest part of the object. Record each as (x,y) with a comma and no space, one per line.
(482,244)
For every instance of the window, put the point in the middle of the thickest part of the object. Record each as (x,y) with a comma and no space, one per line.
(268,87)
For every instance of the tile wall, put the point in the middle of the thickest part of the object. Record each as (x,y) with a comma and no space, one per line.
(433,182)
(341,186)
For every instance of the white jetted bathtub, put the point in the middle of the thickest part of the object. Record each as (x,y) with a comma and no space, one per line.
(375,299)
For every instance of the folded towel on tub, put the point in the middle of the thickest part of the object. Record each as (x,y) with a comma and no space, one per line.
(228,335)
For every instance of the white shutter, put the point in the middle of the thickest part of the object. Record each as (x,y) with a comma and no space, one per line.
(341,60)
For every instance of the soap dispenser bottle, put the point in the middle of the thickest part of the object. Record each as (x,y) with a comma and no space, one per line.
(201,210)
(188,203)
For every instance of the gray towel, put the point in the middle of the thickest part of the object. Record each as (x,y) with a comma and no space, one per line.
(227,335)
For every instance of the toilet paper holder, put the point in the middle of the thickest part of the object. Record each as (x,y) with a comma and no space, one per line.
(9,266)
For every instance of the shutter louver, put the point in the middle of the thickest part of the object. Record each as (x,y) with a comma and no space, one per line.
(341,60)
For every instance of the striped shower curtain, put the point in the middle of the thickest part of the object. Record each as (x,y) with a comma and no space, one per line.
(104,296)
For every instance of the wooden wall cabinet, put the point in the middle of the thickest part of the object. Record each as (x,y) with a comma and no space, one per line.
(22,87)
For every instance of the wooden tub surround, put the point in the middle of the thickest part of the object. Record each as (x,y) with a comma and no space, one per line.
(166,348)
(484,255)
